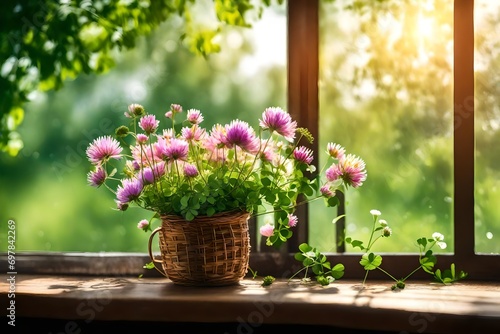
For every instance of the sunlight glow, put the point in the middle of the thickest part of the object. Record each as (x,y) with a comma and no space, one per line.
(424,26)
(270,42)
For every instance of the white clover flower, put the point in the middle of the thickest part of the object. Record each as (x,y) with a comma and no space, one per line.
(439,240)
(441,244)
(437,236)
(310,254)
(375,212)
(383,223)
(387,231)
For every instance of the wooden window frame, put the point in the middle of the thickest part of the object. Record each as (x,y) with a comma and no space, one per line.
(303,104)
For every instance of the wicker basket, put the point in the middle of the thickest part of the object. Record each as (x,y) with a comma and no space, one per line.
(208,251)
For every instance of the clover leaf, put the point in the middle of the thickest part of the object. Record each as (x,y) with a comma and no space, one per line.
(370,261)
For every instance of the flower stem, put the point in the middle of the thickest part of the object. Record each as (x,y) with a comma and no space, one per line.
(366,275)
(385,272)
(370,246)
(279,210)
(371,235)
(414,271)
(305,268)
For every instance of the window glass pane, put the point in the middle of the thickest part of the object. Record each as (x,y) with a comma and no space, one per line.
(386,95)
(487,124)
(45,189)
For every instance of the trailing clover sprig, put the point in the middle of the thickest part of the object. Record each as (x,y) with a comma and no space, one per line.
(312,259)
(427,260)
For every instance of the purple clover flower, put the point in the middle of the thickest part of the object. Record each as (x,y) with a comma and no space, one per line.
(194,116)
(276,119)
(129,190)
(335,151)
(142,138)
(150,175)
(143,225)
(176,108)
(193,133)
(326,191)
(303,154)
(333,173)
(190,170)
(176,149)
(149,124)
(292,220)
(134,110)
(102,149)
(353,170)
(239,133)
(267,230)
(96,178)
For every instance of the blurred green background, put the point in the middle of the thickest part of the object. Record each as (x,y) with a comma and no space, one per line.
(385,94)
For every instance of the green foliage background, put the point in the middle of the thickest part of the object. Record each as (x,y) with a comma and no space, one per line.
(44,188)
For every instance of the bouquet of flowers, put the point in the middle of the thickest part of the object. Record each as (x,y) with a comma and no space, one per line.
(188,171)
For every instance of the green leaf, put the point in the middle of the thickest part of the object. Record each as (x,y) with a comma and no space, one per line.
(428,262)
(422,242)
(299,257)
(357,243)
(337,271)
(210,211)
(370,261)
(317,269)
(189,215)
(308,262)
(332,201)
(438,273)
(304,247)
(266,182)
(149,265)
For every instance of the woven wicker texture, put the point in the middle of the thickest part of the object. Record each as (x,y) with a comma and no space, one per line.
(208,251)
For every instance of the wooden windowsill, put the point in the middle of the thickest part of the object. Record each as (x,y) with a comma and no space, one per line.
(423,307)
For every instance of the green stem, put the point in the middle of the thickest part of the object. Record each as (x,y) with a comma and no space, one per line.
(254,274)
(178,173)
(414,271)
(385,272)
(370,246)
(279,210)
(305,268)
(366,275)
(371,235)
(109,188)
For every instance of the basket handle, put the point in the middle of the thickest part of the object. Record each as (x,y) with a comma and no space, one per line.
(158,229)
